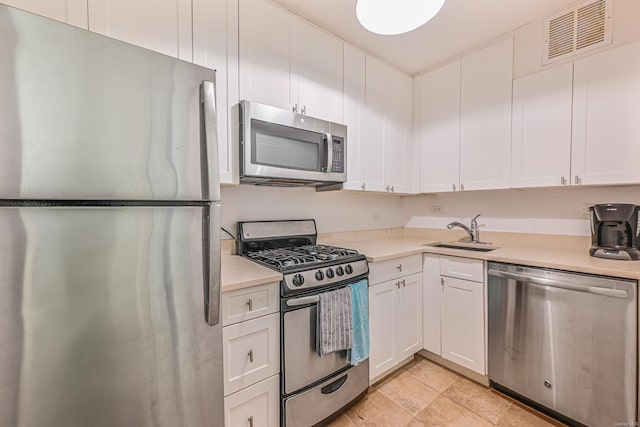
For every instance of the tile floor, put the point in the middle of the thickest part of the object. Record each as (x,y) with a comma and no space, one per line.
(423,393)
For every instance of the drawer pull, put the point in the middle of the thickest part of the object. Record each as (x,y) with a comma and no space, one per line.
(442,282)
(250,304)
(403,283)
(334,386)
(399,267)
(250,419)
(250,356)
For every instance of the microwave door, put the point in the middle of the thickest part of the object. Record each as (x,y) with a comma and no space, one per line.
(277,151)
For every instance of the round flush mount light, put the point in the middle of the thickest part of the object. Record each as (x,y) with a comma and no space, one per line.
(389,17)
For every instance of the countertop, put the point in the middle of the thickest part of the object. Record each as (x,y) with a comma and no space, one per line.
(238,272)
(571,260)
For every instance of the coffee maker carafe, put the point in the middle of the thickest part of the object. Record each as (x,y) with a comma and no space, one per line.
(615,231)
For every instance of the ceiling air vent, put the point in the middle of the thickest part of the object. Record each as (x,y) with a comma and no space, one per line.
(571,32)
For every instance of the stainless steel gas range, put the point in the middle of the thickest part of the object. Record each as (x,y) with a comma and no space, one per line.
(313,389)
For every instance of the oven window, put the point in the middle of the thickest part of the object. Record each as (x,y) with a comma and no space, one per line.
(285,147)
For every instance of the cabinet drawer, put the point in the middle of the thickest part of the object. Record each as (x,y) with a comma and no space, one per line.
(251,352)
(462,268)
(257,406)
(249,303)
(393,268)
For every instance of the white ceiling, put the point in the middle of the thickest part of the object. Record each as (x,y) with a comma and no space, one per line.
(459,27)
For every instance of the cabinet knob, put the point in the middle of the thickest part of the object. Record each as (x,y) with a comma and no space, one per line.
(442,282)
(250,354)
(454,187)
(393,189)
(362,186)
(403,283)
(250,304)
(250,419)
(387,188)
(294,108)
(398,285)
(578,180)
(563,180)
(399,267)
(461,187)
(304,109)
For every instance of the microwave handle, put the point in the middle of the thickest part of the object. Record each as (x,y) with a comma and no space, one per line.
(329,155)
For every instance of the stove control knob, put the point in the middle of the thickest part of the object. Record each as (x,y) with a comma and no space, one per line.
(330,273)
(298,280)
(319,275)
(339,271)
(348,269)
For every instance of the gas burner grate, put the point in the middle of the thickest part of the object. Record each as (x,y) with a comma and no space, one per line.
(283,258)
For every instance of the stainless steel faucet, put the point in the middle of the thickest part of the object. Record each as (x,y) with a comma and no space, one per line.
(473,232)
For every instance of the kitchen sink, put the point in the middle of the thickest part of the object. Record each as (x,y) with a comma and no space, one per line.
(477,247)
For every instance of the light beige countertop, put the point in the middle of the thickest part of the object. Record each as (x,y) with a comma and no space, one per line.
(561,259)
(238,273)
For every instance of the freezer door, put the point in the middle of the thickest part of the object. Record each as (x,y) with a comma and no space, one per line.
(103,319)
(83,116)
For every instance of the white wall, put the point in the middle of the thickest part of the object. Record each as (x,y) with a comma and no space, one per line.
(545,211)
(333,210)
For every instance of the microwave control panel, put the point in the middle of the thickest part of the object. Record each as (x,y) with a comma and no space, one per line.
(337,165)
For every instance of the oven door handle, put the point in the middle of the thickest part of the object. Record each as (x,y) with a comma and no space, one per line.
(295,302)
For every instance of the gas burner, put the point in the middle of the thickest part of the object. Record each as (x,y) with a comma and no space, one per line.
(284,258)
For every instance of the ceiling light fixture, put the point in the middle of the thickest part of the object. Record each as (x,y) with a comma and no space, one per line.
(389,17)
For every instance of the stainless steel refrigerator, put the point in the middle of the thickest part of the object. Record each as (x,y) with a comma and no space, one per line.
(109,233)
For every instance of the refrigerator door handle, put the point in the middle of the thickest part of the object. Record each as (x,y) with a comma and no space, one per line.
(211,251)
(209,148)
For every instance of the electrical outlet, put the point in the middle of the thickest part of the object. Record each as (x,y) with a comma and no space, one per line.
(375,217)
(437,210)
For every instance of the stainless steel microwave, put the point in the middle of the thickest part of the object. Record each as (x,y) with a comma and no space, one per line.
(281,148)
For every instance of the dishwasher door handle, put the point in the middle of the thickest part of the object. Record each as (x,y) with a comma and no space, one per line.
(615,293)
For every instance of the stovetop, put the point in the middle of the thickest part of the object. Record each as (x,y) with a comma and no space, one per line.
(309,256)
(290,248)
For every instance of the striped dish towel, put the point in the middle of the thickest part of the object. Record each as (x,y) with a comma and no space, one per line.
(334,326)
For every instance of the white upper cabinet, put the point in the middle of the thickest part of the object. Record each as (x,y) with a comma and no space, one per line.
(439,129)
(354,106)
(541,128)
(318,64)
(289,64)
(72,12)
(373,141)
(164,26)
(485,117)
(265,54)
(215,45)
(606,108)
(386,145)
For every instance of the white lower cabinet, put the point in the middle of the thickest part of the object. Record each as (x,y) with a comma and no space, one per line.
(255,406)
(453,305)
(251,356)
(395,318)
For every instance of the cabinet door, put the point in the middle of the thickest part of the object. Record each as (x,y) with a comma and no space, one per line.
(382,328)
(215,45)
(409,316)
(164,26)
(463,323)
(606,108)
(256,406)
(440,129)
(317,63)
(373,141)
(431,296)
(72,12)
(541,128)
(265,55)
(354,106)
(397,132)
(485,117)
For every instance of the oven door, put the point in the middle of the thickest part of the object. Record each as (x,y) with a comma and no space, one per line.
(301,364)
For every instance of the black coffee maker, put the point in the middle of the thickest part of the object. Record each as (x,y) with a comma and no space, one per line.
(615,231)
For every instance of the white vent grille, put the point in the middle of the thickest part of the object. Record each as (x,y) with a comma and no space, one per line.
(586,26)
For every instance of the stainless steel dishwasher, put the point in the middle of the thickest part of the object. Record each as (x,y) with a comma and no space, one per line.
(565,341)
